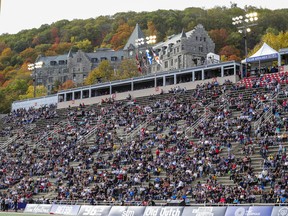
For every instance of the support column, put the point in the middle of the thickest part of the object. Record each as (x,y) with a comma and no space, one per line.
(202,74)
(175,79)
(222,71)
(193,76)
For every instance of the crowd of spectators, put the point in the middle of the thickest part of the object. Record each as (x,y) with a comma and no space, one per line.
(161,161)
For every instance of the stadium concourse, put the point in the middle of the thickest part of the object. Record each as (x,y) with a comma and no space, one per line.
(214,145)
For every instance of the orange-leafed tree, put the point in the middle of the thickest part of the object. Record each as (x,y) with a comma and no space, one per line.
(61,48)
(230,53)
(68,85)
(121,36)
(29,54)
(151,28)
(219,36)
(55,35)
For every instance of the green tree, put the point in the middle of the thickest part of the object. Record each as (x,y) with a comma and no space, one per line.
(127,69)
(84,45)
(104,71)
(40,91)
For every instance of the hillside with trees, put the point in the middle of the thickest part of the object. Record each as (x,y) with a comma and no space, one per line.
(18,50)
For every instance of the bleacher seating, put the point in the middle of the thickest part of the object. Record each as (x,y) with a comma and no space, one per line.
(214,144)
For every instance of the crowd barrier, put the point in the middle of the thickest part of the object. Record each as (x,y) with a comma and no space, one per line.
(89,210)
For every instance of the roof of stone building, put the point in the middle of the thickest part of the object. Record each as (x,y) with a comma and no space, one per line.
(47,59)
(104,53)
(174,38)
(136,34)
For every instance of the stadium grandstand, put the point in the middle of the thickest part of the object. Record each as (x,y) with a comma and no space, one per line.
(140,146)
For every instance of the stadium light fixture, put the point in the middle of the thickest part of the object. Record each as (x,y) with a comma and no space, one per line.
(33,67)
(243,23)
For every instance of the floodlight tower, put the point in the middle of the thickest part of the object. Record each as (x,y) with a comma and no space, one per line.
(243,24)
(33,67)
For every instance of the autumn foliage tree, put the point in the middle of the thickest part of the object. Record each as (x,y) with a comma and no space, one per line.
(219,36)
(230,53)
(68,85)
(121,36)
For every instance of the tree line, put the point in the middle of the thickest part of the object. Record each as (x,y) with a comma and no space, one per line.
(18,50)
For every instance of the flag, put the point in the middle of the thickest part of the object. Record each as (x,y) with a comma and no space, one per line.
(156,57)
(138,63)
(149,56)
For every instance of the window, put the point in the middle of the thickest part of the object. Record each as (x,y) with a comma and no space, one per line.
(171,62)
(204,39)
(103,58)
(94,60)
(53,63)
(39,81)
(196,38)
(113,58)
(166,64)
(158,67)
(200,49)
(61,62)
(79,59)
(50,79)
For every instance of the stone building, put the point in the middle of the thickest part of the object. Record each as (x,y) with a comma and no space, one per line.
(180,51)
(73,66)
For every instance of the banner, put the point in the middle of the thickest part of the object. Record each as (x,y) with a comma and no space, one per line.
(280,211)
(163,211)
(236,210)
(249,211)
(118,210)
(204,211)
(90,210)
(134,211)
(65,209)
(38,208)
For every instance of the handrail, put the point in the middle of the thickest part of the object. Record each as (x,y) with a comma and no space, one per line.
(61,123)
(207,114)
(158,203)
(267,115)
(132,133)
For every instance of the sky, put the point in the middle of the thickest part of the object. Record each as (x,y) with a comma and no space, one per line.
(17,15)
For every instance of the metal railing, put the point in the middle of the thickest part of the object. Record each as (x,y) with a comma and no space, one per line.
(207,114)
(266,116)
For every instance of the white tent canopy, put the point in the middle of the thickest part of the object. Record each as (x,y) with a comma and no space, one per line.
(265,53)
